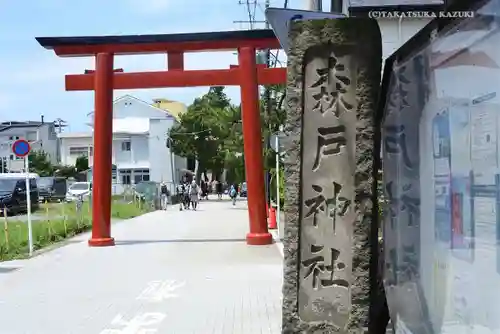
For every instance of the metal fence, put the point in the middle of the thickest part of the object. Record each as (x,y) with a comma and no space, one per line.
(55,221)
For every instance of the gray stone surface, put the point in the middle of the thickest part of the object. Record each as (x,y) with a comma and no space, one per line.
(351,48)
(407,96)
(181,272)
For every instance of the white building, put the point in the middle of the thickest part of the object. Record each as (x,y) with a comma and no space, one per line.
(395,29)
(139,144)
(41,135)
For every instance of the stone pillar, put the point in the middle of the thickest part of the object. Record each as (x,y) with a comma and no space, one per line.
(334,69)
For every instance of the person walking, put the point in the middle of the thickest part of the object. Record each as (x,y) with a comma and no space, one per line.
(233,193)
(180,195)
(194,191)
(186,196)
(165,194)
(204,190)
(218,188)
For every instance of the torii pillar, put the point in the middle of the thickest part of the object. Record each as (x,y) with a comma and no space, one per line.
(252,142)
(103,137)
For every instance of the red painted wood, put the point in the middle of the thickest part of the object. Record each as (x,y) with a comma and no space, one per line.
(175,61)
(144,48)
(252,142)
(193,78)
(103,134)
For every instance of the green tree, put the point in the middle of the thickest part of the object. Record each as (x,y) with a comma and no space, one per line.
(203,130)
(82,164)
(39,163)
(65,171)
(211,132)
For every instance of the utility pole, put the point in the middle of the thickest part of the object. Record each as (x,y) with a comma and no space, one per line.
(315,5)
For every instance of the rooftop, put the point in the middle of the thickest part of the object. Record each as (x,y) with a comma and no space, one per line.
(128,125)
(16,124)
(75,135)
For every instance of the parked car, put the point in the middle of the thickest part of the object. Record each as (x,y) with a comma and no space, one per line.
(51,188)
(13,195)
(78,189)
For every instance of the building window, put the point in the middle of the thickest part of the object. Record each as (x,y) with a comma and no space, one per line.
(13,137)
(31,136)
(126,176)
(79,151)
(141,175)
(125,146)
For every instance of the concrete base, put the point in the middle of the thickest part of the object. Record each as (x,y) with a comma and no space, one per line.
(101,242)
(259,239)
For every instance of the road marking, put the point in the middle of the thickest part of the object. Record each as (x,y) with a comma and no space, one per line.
(137,325)
(158,291)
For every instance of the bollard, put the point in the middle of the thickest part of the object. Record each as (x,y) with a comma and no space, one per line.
(267,209)
(272,219)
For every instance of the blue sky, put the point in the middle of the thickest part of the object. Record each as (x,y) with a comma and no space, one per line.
(32,78)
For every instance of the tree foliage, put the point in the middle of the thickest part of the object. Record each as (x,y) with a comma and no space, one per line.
(211,132)
(203,130)
(65,171)
(39,163)
(82,163)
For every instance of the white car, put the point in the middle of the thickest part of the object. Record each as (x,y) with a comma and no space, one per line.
(78,189)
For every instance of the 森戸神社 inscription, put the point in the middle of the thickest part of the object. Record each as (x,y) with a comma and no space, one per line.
(333,78)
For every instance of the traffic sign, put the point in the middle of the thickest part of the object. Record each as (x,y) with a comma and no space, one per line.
(21,148)
(280,18)
(276,142)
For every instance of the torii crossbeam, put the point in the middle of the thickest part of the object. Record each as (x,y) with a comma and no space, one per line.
(248,75)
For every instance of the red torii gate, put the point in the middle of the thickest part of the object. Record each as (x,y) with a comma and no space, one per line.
(248,75)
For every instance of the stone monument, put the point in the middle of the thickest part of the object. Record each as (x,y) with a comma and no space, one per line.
(334,69)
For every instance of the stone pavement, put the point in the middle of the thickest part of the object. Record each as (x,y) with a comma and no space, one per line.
(171,272)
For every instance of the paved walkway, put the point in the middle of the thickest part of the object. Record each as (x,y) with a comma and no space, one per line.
(171,272)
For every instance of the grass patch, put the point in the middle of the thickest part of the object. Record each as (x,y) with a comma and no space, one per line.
(61,221)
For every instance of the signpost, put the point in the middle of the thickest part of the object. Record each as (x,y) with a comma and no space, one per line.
(21,148)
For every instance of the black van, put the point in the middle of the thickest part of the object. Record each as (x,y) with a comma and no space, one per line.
(13,194)
(51,188)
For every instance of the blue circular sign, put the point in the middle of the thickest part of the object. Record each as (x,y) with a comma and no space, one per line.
(21,148)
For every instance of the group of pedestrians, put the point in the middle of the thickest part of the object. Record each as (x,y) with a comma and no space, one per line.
(190,193)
